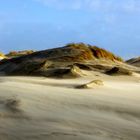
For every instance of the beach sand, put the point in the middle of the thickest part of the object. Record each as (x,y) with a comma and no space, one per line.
(39,108)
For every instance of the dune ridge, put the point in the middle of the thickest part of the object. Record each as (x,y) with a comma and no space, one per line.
(42,63)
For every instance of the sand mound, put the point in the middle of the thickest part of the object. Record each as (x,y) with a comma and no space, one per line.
(13,105)
(34,62)
(69,72)
(119,71)
(92,84)
(134,61)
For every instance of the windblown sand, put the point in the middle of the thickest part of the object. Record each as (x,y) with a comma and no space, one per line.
(38,108)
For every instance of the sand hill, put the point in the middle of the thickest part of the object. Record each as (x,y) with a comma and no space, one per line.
(56,61)
(134,61)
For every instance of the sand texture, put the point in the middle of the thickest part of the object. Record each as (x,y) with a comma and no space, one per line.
(38,108)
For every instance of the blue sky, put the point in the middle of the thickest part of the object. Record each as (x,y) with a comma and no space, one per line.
(41,24)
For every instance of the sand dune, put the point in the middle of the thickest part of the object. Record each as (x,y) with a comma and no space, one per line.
(134,61)
(38,108)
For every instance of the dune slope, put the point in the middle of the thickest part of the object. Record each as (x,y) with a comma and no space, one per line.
(37,108)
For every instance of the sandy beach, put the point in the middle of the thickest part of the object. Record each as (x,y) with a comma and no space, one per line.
(39,108)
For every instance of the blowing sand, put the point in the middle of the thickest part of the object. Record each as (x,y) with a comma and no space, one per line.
(37,108)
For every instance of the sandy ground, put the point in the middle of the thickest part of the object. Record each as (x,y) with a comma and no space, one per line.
(38,108)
